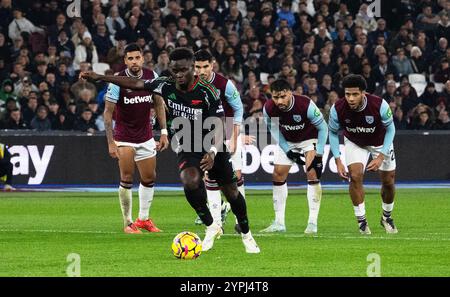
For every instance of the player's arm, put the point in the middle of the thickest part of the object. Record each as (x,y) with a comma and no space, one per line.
(111,98)
(316,118)
(333,128)
(234,100)
(160,110)
(121,81)
(388,122)
(274,128)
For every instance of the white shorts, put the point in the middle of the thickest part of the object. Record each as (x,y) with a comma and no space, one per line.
(356,154)
(280,157)
(143,150)
(236,158)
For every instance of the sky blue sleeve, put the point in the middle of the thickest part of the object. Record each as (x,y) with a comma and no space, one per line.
(275,132)
(316,118)
(388,122)
(333,127)
(234,100)
(112,93)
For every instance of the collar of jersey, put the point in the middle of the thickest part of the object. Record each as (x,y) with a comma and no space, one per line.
(128,73)
(364,104)
(194,84)
(292,104)
(212,78)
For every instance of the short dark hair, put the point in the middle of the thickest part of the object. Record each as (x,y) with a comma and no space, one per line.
(132,47)
(181,53)
(280,85)
(354,81)
(203,55)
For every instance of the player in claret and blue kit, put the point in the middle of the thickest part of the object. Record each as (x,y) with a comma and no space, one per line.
(368,127)
(298,126)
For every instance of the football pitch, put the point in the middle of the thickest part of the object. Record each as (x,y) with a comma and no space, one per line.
(38,231)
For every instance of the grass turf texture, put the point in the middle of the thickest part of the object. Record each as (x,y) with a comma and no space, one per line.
(39,230)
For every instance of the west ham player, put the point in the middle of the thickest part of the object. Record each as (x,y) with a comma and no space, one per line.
(132,141)
(233,108)
(368,130)
(191,98)
(298,126)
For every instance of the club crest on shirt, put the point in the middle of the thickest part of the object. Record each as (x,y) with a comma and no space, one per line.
(297,118)
(369,119)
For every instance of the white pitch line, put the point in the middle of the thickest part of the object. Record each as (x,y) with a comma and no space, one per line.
(337,236)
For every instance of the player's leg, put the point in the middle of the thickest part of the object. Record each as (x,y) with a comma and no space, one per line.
(236,162)
(214,199)
(239,208)
(223,172)
(356,189)
(147,174)
(282,165)
(279,197)
(387,195)
(194,189)
(356,160)
(314,195)
(126,166)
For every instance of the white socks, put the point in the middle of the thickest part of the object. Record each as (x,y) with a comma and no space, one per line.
(214,204)
(314,194)
(280,193)
(360,213)
(125,197)
(145,201)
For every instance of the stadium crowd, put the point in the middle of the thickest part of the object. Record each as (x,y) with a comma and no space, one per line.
(403,53)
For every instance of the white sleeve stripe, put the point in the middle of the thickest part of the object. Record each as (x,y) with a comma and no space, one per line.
(111,99)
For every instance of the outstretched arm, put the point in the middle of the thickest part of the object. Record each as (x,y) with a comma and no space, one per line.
(121,81)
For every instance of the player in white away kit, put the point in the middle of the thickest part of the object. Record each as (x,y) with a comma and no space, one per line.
(298,126)
(133,141)
(233,108)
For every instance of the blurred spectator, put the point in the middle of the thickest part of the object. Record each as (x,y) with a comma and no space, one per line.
(402,63)
(85,52)
(114,21)
(418,63)
(430,95)
(15,121)
(443,121)
(253,102)
(102,42)
(21,25)
(443,72)
(232,69)
(29,110)
(382,68)
(389,91)
(41,122)
(85,122)
(55,30)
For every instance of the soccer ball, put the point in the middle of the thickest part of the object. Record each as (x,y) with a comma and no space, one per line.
(187,246)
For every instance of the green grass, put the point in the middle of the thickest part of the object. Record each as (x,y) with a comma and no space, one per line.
(39,230)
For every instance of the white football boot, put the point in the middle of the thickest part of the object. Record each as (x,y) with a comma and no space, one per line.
(213,231)
(311,229)
(274,227)
(250,244)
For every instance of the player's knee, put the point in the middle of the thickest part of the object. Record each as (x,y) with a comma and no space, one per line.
(126,177)
(278,176)
(191,182)
(147,182)
(356,177)
(230,191)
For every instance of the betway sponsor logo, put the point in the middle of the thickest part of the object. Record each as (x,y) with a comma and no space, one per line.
(137,99)
(293,128)
(27,160)
(361,129)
